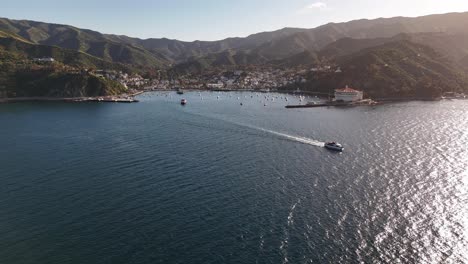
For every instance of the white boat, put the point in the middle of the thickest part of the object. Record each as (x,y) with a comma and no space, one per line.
(183,101)
(334,146)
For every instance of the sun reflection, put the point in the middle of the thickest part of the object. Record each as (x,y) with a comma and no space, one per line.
(462,214)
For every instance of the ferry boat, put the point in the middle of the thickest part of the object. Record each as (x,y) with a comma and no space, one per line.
(183,101)
(334,146)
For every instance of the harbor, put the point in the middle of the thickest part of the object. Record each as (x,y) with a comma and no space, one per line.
(345,97)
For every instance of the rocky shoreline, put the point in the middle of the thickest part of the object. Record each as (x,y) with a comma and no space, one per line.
(104,99)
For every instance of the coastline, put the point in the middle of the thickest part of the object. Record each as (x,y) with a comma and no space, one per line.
(130,98)
(310,93)
(104,99)
(124,98)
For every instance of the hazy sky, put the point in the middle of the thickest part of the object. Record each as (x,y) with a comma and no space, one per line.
(213,19)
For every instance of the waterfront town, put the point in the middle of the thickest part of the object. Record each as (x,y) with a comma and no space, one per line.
(242,78)
(246,79)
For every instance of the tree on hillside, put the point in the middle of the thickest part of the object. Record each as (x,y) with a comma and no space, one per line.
(428,87)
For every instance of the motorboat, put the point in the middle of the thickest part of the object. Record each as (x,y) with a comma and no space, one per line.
(334,146)
(183,101)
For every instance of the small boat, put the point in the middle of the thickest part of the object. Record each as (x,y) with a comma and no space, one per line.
(183,101)
(334,146)
(179,91)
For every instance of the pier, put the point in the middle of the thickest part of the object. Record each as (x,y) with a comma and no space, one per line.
(307,105)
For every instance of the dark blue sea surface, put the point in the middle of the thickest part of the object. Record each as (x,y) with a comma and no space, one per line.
(217,182)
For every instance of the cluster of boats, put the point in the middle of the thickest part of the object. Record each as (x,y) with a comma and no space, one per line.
(334,146)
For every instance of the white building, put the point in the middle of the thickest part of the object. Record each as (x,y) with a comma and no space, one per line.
(44,59)
(215,85)
(348,94)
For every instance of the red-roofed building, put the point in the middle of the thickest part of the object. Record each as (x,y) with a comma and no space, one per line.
(348,94)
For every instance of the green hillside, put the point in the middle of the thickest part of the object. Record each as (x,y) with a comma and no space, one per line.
(20,49)
(453,45)
(46,83)
(83,40)
(271,46)
(229,59)
(20,76)
(395,69)
(51,80)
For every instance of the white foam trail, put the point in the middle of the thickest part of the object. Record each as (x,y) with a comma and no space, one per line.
(303,140)
(298,139)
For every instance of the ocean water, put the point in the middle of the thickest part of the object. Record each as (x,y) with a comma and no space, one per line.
(217,182)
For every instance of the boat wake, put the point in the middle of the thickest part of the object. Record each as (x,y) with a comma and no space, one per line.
(303,140)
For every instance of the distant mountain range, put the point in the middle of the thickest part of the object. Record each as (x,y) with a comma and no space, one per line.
(444,38)
(258,48)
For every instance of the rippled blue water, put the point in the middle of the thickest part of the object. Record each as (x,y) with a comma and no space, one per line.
(217,182)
